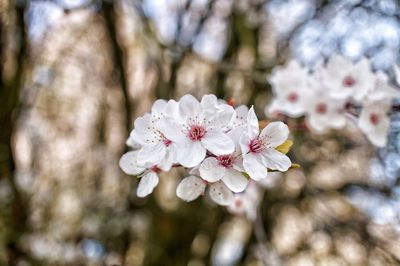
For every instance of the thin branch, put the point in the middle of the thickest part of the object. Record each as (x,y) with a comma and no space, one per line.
(118,54)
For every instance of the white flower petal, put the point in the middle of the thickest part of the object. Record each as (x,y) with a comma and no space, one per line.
(132,143)
(238,164)
(189,106)
(253,167)
(275,160)
(209,102)
(252,124)
(242,111)
(142,132)
(382,89)
(222,117)
(244,143)
(147,184)
(191,154)
(152,154)
(195,171)
(172,130)
(220,194)
(338,64)
(165,165)
(129,164)
(376,132)
(158,107)
(190,188)
(235,134)
(336,120)
(235,180)
(172,153)
(172,109)
(218,143)
(315,123)
(379,137)
(210,170)
(275,133)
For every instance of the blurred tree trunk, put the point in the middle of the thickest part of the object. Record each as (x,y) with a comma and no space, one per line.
(70,134)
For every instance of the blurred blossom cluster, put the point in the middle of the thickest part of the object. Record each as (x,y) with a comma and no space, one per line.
(335,93)
(219,145)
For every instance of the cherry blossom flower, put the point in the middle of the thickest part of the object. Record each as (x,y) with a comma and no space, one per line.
(258,149)
(246,203)
(197,129)
(325,113)
(374,121)
(291,89)
(154,146)
(227,168)
(348,80)
(148,174)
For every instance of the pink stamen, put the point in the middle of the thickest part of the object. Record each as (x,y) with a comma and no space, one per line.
(293,97)
(167,142)
(349,81)
(196,132)
(321,108)
(226,160)
(256,146)
(155,169)
(238,203)
(374,118)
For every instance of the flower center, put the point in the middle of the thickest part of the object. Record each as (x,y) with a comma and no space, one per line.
(196,132)
(348,81)
(293,97)
(226,160)
(238,203)
(167,142)
(321,108)
(374,118)
(256,146)
(155,169)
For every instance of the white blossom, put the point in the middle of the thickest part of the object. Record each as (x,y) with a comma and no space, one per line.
(154,146)
(291,90)
(323,111)
(258,149)
(246,203)
(374,121)
(198,128)
(227,168)
(346,79)
(148,173)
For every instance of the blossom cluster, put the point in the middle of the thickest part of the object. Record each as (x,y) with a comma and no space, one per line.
(221,147)
(333,94)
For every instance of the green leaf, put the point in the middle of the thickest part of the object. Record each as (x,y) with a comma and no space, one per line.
(295,165)
(285,147)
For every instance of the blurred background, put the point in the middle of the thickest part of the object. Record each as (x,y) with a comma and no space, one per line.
(75,74)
